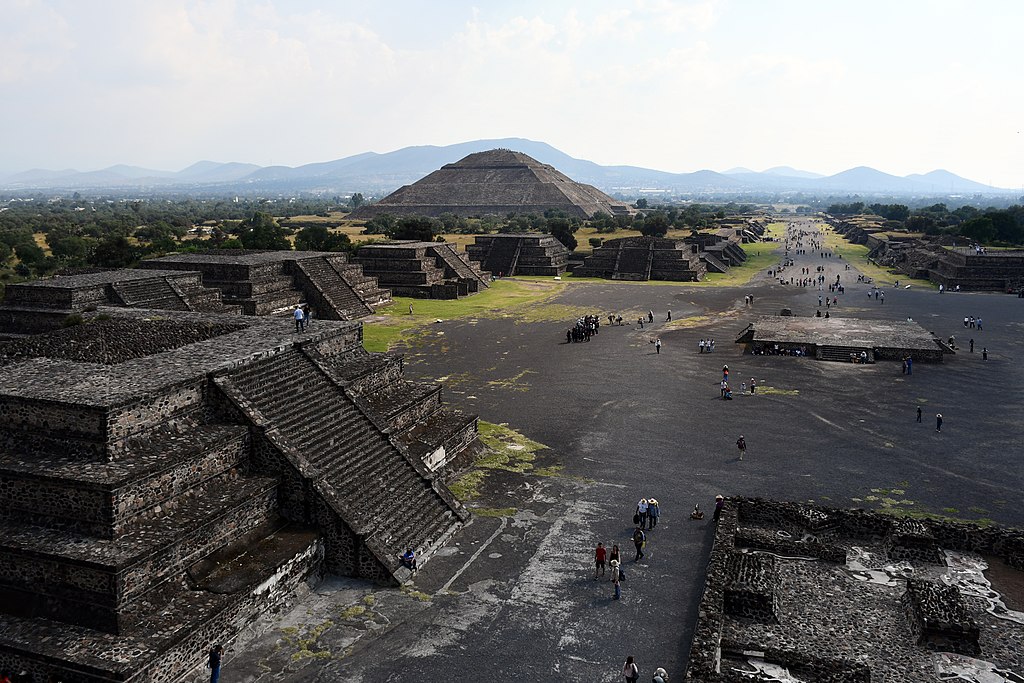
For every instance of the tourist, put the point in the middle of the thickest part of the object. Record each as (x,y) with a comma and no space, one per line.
(640,518)
(984,353)
(408,559)
(616,578)
(619,320)
(650,316)
(213,663)
(719,504)
(300,319)
(653,512)
(639,541)
(938,422)
(696,514)
(978,322)
(919,414)
(660,676)
(753,386)
(910,365)
(657,345)
(599,557)
(640,321)
(741,444)
(967,321)
(630,671)
(971,342)
(700,346)
(613,559)
(410,309)
(669,318)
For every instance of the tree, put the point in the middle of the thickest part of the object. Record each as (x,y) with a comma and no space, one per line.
(114,252)
(356,200)
(319,238)
(655,225)
(261,231)
(30,253)
(419,228)
(562,229)
(978,229)
(70,248)
(641,203)
(380,224)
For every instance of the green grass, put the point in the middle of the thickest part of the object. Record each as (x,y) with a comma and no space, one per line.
(507,450)
(857,256)
(521,300)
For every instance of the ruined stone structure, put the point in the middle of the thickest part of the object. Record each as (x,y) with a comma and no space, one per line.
(42,305)
(225,281)
(183,475)
(529,254)
(812,589)
(497,182)
(427,270)
(645,258)
(836,339)
(942,264)
(262,282)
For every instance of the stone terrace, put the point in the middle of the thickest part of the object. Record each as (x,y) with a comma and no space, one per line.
(263,282)
(848,610)
(154,505)
(530,254)
(646,258)
(428,270)
(837,338)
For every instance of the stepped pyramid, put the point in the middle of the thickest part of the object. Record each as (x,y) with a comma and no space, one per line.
(168,478)
(497,182)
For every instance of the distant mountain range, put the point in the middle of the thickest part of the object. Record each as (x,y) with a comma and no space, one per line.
(378,174)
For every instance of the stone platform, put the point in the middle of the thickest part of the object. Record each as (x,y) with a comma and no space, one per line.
(527,254)
(166,480)
(824,599)
(837,338)
(426,270)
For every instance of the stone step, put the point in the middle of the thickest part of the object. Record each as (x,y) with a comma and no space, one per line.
(103,498)
(94,579)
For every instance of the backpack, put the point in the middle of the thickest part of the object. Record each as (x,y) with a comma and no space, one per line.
(622,574)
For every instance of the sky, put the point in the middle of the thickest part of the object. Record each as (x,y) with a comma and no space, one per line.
(903,86)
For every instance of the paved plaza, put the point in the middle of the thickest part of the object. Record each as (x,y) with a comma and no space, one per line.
(513,596)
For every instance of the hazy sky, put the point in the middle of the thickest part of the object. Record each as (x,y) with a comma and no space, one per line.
(899,85)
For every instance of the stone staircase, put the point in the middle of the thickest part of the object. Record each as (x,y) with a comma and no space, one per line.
(365,286)
(503,256)
(331,296)
(842,353)
(383,498)
(150,293)
(712,262)
(633,264)
(454,262)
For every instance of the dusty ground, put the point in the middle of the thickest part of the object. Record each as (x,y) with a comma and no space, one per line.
(513,597)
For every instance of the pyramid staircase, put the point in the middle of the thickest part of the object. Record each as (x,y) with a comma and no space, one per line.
(454,262)
(331,296)
(353,477)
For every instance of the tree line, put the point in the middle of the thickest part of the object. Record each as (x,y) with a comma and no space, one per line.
(989,226)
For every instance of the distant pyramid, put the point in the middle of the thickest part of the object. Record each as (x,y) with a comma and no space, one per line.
(497,182)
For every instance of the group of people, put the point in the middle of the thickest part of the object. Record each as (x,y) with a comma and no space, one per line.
(584,328)
(302,315)
(631,672)
(972,322)
(727,390)
(706,346)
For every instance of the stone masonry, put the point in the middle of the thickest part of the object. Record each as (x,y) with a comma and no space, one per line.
(185,475)
(426,270)
(529,254)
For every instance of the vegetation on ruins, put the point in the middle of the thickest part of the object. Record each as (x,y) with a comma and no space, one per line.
(989,226)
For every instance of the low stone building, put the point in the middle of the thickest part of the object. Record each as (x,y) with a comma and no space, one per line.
(219,281)
(530,254)
(645,258)
(167,479)
(427,270)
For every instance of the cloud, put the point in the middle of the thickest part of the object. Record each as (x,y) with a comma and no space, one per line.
(34,40)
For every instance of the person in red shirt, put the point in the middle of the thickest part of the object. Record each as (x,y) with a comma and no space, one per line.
(599,557)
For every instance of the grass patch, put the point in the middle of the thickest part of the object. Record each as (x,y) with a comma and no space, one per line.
(307,642)
(353,612)
(418,595)
(514,383)
(520,299)
(857,256)
(495,512)
(506,450)
(773,391)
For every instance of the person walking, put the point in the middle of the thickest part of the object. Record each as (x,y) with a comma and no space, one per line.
(669,318)
(971,342)
(213,663)
(616,578)
(630,672)
(653,512)
(614,560)
(640,518)
(650,316)
(657,345)
(300,319)
(919,413)
(719,504)
(984,353)
(741,444)
(639,540)
(938,422)
(599,557)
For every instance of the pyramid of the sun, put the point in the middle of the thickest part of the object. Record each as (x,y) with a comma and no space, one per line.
(497,182)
